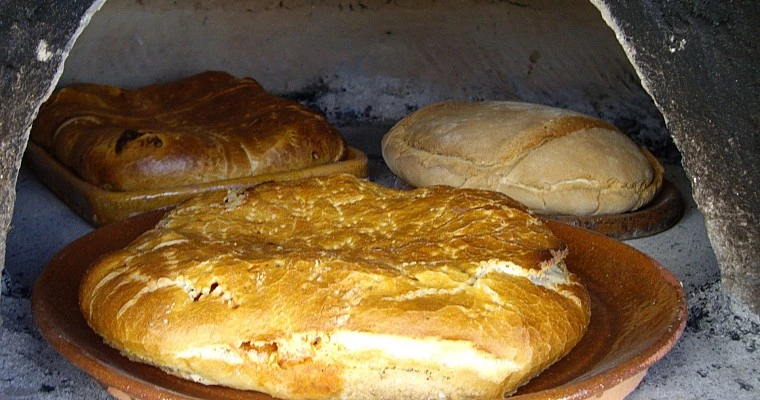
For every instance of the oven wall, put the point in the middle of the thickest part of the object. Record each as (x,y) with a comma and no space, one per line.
(374,61)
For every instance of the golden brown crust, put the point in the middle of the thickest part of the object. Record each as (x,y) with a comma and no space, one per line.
(205,128)
(336,287)
(554,161)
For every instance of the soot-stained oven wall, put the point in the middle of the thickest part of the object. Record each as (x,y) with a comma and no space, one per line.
(374,61)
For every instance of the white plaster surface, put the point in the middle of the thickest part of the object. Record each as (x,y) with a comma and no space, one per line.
(716,358)
(377,61)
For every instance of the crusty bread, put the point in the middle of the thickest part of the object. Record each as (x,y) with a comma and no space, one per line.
(338,288)
(205,128)
(554,161)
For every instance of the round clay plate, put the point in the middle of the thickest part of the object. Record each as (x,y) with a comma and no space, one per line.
(664,211)
(638,313)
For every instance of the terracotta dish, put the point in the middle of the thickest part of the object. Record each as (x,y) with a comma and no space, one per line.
(638,314)
(662,213)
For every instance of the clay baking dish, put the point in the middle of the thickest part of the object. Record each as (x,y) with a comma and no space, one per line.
(662,213)
(638,313)
(100,207)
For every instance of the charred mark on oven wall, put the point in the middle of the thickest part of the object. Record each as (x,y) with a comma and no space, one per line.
(533,58)
(280,5)
(131,135)
(344,116)
(515,3)
(44,388)
(310,94)
(350,6)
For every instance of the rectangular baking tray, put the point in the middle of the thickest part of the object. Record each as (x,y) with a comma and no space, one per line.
(100,207)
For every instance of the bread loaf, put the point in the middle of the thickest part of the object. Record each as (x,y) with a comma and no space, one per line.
(554,161)
(338,288)
(205,128)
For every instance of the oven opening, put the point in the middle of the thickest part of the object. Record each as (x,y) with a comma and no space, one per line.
(365,65)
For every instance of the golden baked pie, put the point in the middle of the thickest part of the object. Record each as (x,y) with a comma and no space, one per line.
(339,288)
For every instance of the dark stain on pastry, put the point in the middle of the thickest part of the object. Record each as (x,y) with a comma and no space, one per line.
(126,137)
(155,141)
(130,135)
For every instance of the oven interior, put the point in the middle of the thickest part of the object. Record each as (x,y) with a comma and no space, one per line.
(366,64)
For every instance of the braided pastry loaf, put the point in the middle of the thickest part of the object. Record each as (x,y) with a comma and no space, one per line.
(338,288)
(205,128)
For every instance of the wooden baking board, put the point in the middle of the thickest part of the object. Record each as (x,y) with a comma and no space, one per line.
(638,312)
(99,206)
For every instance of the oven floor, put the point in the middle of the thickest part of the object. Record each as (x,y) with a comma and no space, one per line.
(715,358)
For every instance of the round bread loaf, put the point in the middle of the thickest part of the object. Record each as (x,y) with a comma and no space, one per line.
(554,161)
(205,128)
(338,288)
